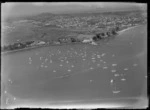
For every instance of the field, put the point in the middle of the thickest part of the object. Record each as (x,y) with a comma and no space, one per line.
(21,32)
(26,31)
(114,69)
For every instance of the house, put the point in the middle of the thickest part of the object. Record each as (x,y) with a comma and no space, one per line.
(37,43)
(41,43)
(85,38)
(64,40)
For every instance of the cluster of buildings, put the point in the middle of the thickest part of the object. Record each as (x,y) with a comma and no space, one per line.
(87,38)
(103,23)
(98,21)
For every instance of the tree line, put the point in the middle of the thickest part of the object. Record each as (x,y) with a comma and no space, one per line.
(17,45)
(61,40)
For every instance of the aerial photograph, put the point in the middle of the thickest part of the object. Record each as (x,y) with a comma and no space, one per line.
(74,55)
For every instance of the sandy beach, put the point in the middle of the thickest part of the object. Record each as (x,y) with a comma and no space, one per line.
(120,32)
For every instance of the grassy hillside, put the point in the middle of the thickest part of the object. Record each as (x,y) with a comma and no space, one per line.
(25,32)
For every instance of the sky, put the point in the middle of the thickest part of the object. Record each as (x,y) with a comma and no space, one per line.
(31,8)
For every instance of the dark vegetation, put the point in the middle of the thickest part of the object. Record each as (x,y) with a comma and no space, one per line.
(103,35)
(17,45)
(34,29)
(61,40)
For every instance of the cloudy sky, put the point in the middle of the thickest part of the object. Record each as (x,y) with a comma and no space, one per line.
(19,9)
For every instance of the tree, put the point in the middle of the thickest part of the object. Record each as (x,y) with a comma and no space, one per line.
(99,36)
(11,47)
(95,38)
(15,45)
(73,40)
(113,32)
(108,34)
(117,28)
(5,48)
(62,40)
(29,42)
(78,40)
(21,45)
(102,34)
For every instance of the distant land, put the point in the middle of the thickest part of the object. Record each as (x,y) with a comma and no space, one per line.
(25,9)
(48,15)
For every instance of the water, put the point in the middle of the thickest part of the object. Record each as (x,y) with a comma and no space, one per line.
(61,73)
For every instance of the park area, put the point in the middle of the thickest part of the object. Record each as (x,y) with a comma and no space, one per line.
(115,69)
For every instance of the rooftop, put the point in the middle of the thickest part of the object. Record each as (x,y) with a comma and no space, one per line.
(84,36)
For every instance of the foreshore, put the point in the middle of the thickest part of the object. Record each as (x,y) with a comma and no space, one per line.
(38,46)
(119,32)
(127,29)
(18,50)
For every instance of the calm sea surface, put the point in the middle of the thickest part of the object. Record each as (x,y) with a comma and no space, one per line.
(116,68)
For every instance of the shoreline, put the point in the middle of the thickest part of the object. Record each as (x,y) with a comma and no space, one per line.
(17,50)
(40,46)
(119,32)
